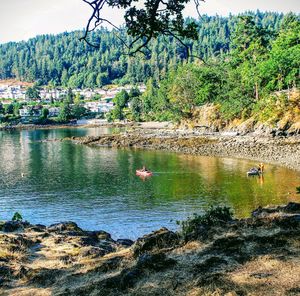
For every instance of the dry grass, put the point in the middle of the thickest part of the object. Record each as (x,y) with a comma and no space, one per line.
(254,257)
(268,276)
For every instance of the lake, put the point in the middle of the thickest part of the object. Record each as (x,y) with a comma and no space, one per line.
(53,181)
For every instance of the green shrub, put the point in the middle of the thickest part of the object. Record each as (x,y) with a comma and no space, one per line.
(17,217)
(213,216)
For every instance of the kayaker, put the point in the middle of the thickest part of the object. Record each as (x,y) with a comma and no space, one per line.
(261,167)
(144,169)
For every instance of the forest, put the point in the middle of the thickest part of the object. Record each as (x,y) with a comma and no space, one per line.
(258,77)
(62,60)
(238,65)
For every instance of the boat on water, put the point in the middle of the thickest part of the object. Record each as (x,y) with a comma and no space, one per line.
(254,172)
(143,173)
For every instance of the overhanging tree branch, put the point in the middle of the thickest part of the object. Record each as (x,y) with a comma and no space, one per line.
(154,18)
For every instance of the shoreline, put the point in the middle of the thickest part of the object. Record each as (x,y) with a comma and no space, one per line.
(278,150)
(56,126)
(283,151)
(258,255)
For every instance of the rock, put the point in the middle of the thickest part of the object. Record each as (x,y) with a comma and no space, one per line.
(11,226)
(125,242)
(229,244)
(5,271)
(37,228)
(292,207)
(109,265)
(161,239)
(64,227)
(100,235)
(261,275)
(93,252)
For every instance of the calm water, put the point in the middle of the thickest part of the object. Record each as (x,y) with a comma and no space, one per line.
(48,182)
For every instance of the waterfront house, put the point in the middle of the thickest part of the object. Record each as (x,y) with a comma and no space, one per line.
(30,113)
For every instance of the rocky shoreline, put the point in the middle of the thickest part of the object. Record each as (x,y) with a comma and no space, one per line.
(278,150)
(214,255)
(51,126)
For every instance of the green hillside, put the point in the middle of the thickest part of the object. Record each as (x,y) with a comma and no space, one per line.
(64,60)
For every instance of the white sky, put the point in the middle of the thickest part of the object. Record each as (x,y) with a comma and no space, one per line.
(22,19)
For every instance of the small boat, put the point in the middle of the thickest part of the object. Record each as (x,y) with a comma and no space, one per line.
(143,173)
(253,172)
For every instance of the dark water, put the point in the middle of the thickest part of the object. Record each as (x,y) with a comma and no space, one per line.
(48,182)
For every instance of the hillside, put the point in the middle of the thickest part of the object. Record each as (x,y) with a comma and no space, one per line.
(64,60)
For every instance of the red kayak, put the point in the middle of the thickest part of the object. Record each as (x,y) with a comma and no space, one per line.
(143,173)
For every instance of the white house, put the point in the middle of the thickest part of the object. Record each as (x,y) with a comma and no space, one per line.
(54,111)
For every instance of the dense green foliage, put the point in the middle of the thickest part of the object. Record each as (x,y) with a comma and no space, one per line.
(64,60)
(17,217)
(244,61)
(240,83)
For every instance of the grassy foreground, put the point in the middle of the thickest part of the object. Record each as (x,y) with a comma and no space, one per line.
(213,255)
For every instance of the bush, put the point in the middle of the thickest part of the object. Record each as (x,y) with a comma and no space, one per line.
(17,217)
(213,216)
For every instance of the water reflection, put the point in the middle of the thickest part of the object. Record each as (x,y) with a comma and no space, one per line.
(97,187)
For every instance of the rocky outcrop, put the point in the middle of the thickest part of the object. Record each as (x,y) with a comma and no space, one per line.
(258,256)
(157,240)
(278,150)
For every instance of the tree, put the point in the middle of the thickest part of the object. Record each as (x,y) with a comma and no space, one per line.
(33,92)
(66,57)
(117,113)
(78,111)
(45,113)
(184,89)
(156,17)
(65,113)
(16,109)
(282,68)
(121,99)
(250,43)
(136,108)
(9,109)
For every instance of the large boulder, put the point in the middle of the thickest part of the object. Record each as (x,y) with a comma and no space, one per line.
(290,208)
(157,240)
(11,226)
(65,227)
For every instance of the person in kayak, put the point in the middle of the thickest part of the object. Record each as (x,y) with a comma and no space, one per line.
(261,167)
(144,169)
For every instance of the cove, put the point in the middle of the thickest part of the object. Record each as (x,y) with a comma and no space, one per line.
(52,181)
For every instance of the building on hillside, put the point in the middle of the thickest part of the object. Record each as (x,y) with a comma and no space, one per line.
(15,92)
(54,111)
(52,95)
(98,107)
(30,113)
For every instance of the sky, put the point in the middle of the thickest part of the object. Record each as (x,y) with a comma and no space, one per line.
(23,19)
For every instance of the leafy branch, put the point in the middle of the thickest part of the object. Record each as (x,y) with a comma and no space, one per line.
(154,18)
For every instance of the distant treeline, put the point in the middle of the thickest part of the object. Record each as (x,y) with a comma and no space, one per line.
(64,60)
